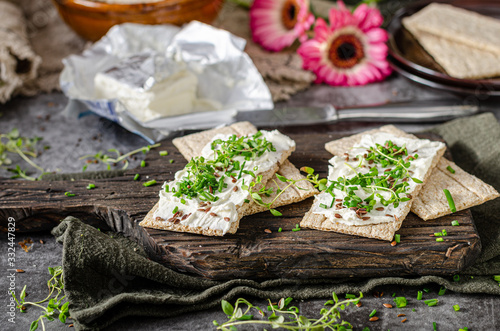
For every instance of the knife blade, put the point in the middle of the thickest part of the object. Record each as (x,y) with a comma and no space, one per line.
(427,111)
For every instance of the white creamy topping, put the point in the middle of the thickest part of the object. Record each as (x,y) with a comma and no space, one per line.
(223,212)
(356,163)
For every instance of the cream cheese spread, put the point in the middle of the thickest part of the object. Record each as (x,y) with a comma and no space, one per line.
(357,162)
(219,214)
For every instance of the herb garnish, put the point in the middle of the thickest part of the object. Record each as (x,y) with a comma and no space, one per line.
(394,179)
(55,308)
(450,200)
(294,321)
(109,160)
(13,143)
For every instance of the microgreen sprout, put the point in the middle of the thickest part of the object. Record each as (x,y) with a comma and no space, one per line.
(13,144)
(110,160)
(282,315)
(56,307)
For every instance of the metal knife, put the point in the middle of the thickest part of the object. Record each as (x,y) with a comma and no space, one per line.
(427,111)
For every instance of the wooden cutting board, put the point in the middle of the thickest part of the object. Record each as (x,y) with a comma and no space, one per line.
(250,253)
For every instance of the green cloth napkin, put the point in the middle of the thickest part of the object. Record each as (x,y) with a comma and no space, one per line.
(108,277)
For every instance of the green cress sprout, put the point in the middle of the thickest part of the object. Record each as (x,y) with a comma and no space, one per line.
(282,315)
(13,143)
(110,160)
(56,307)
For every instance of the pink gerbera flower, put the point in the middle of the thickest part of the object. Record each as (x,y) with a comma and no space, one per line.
(276,24)
(351,51)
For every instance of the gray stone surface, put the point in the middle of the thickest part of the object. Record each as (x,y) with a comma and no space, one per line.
(70,138)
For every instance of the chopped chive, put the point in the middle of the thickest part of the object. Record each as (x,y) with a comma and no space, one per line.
(137,176)
(149,183)
(438,234)
(455,223)
(464,329)
(183,201)
(374,311)
(450,200)
(444,232)
(163,153)
(322,205)
(350,296)
(450,169)
(175,210)
(439,239)
(90,186)
(247,201)
(400,302)
(413,309)
(434,326)
(394,294)
(297,225)
(280,229)
(397,237)
(426,290)
(419,295)
(496,278)
(69,194)
(456,307)
(442,291)
(143,164)
(295,230)
(84,167)
(431,302)
(456,278)
(171,161)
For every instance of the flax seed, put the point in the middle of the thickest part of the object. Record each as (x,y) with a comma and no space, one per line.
(401,315)
(404,320)
(213,214)
(379,208)
(373,319)
(387,305)
(366,218)
(235,188)
(268,231)
(338,216)
(358,304)
(394,243)
(226,219)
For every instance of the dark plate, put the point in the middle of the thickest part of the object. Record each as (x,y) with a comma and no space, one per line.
(410,59)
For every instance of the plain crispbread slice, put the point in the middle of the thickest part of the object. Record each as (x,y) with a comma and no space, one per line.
(467,190)
(457,59)
(191,145)
(383,231)
(459,25)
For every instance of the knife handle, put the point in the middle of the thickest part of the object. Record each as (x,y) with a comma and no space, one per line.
(409,112)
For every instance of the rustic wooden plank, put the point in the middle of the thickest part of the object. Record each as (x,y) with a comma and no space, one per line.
(121,203)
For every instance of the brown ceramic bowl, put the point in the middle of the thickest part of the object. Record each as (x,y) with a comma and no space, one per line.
(92,19)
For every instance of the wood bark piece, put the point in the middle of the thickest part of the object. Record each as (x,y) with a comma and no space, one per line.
(252,252)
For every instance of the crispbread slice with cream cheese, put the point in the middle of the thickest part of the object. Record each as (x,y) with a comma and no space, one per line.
(358,174)
(191,146)
(467,190)
(216,208)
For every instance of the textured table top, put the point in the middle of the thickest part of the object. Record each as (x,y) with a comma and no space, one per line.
(70,138)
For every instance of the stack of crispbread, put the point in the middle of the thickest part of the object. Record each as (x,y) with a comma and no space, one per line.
(192,145)
(466,44)
(467,191)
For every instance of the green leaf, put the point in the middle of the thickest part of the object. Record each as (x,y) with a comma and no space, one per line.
(62,318)
(245,318)
(64,307)
(23,294)
(227,308)
(416,180)
(51,271)
(304,320)
(256,196)
(238,313)
(275,212)
(307,170)
(233,328)
(34,325)
(282,178)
